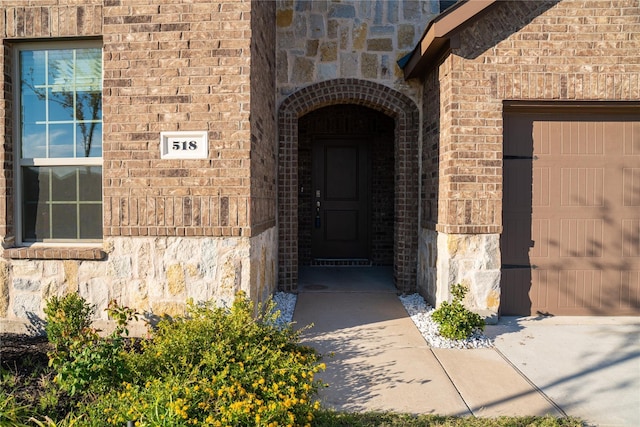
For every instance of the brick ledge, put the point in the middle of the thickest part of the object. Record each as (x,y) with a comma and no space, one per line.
(61,253)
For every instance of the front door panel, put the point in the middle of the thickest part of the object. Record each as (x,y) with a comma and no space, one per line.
(340,199)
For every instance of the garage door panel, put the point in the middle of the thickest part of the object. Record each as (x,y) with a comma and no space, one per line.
(630,289)
(580,289)
(629,134)
(631,186)
(542,187)
(630,238)
(581,138)
(540,232)
(582,238)
(582,186)
(584,244)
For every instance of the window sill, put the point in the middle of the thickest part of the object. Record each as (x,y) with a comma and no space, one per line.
(59,253)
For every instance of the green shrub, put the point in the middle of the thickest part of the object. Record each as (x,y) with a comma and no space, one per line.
(67,318)
(215,366)
(83,361)
(455,320)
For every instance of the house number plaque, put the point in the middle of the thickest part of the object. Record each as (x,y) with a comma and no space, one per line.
(184,145)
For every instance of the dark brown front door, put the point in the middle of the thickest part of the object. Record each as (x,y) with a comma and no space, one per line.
(340,199)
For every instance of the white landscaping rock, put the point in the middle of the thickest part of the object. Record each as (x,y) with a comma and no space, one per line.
(285,303)
(420,312)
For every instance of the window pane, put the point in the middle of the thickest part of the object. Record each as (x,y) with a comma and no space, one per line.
(90,221)
(61,69)
(91,184)
(64,184)
(61,140)
(89,70)
(89,137)
(35,184)
(64,223)
(33,106)
(35,215)
(60,104)
(35,223)
(34,141)
(32,67)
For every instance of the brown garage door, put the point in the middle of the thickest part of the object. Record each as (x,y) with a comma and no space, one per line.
(571,214)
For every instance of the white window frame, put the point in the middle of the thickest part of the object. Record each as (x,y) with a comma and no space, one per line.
(19,163)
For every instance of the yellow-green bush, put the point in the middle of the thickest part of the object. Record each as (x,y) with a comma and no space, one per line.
(216,366)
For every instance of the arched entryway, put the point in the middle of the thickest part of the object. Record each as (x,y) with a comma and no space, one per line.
(378,99)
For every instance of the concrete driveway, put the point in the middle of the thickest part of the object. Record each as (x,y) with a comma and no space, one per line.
(588,366)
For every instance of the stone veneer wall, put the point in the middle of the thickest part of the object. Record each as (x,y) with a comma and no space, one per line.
(323,40)
(568,50)
(173,229)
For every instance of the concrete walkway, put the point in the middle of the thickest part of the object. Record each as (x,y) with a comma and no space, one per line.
(378,361)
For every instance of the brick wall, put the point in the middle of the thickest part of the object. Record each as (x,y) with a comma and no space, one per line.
(176,67)
(546,50)
(6,148)
(263,116)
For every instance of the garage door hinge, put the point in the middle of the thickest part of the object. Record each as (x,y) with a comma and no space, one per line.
(514,266)
(520,157)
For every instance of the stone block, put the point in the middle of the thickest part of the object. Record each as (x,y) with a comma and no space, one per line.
(382,30)
(348,64)
(360,35)
(27,305)
(327,71)
(176,282)
(312,47)
(300,28)
(316,26)
(303,69)
(369,65)
(4,288)
(328,51)
(71,274)
(342,11)
(406,36)
(284,17)
(282,75)
(168,308)
(26,284)
(392,11)
(380,45)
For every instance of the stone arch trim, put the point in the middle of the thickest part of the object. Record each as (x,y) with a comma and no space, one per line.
(375,96)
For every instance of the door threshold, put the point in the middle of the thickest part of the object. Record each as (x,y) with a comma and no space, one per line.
(341,262)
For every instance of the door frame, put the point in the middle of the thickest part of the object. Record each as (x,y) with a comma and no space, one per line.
(406,116)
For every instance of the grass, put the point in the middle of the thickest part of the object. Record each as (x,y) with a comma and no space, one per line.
(326,418)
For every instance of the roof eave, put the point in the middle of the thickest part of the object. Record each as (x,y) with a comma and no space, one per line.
(439,33)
